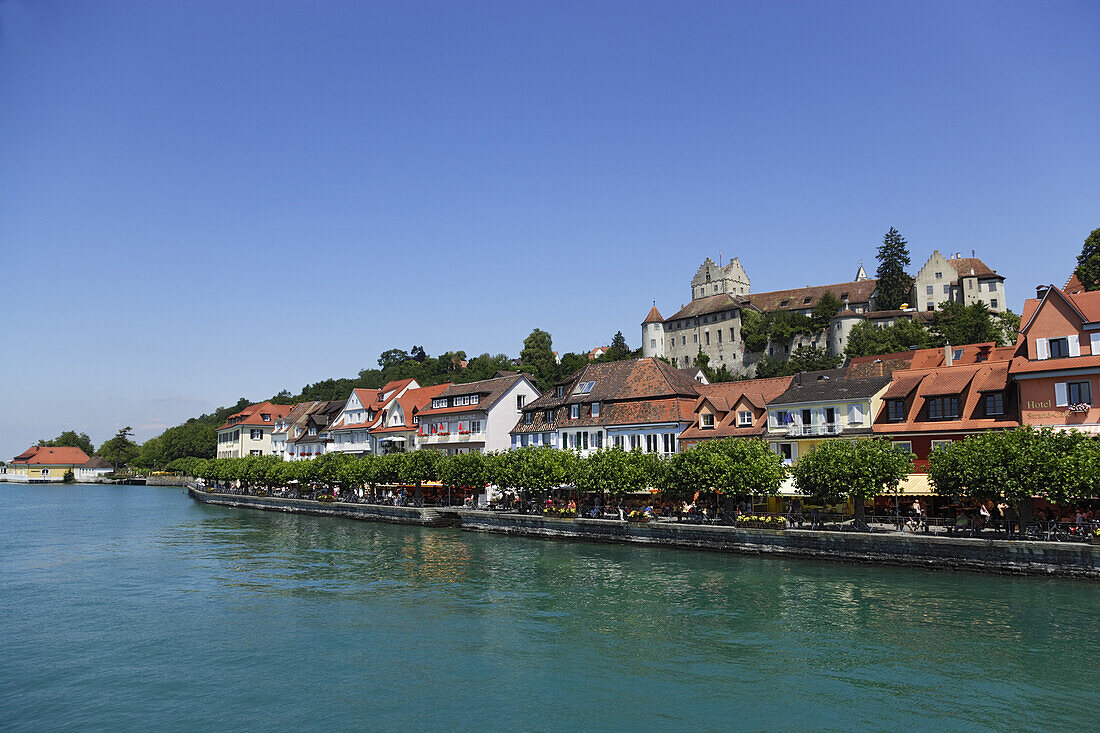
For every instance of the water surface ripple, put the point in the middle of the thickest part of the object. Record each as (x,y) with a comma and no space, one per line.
(132,608)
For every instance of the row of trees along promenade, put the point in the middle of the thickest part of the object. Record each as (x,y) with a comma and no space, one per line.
(1011,466)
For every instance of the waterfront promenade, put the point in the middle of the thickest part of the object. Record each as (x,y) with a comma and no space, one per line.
(930,551)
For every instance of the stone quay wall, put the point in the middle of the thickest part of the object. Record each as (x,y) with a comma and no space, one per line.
(1066,559)
(424,517)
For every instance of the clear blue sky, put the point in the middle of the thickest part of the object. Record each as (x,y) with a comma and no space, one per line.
(204,200)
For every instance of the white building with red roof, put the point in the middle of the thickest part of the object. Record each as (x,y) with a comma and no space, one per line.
(366,410)
(248,432)
(40,464)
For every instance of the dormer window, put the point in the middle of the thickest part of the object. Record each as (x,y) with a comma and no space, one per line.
(439,403)
(1058,347)
(957,354)
(595,409)
(574,412)
(265,416)
(784,304)
(994,404)
(549,416)
(527,417)
(744,418)
(895,410)
(706,421)
(943,408)
(583,387)
(806,300)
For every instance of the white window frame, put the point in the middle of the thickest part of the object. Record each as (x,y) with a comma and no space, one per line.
(742,422)
(574,411)
(706,421)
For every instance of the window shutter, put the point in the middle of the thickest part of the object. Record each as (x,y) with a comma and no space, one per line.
(1060,396)
(1074,345)
(1041,349)
(1095,343)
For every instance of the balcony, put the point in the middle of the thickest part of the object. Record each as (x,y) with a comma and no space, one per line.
(803,431)
(451,438)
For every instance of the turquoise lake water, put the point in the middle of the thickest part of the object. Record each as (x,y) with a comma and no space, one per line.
(133,608)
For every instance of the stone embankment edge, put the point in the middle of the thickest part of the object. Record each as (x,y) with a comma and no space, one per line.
(422,517)
(1061,559)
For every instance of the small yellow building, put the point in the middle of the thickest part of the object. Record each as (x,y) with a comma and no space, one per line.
(44,464)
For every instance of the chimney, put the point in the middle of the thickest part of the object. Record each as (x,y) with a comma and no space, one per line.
(1041,290)
(958,255)
(947,360)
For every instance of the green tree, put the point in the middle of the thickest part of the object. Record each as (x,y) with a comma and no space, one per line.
(1007,326)
(120,449)
(753,331)
(193,438)
(826,308)
(1088,262)
(867,339)
(852,469)
(811,359)
(392,358)
(71,439)
(614,471)
(464,471)
(702,361)
(958,324)
(771,366)
(894,283)
(420,466)
(618,351)
(537,357)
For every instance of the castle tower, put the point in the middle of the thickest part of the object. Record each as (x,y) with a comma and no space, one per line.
(712,279)
(653,334)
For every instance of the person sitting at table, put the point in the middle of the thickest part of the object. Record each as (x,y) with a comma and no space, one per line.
(962,521)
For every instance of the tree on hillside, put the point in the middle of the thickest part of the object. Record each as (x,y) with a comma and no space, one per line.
(70,439)
(418,353)
(811,359)
(702,361)
(572,363)
(771,366)
(867,339)
(894,283)
(618,351)
(391,358)
(120,449)
(1088,262)
(482,367)
(537,358)
(958,324)
(826,308)
(753,332)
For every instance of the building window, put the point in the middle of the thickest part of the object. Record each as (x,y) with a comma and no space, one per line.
(683,340)
(255,434)
(650,443)
(904,446)
(719,335)
(939,276)
(947,290)
(695,338)
(559,391)
(669,442)
(744,418)
(618,440)
(993,303)
(940,443)
(1080,393)
(266,417)
(574,412)
(635,442)
(549,416)
(943,408)
(895,410)
(520,399)
(1058,347)
(255,452)
(930,289)
(653,343)
(855,414)
(523,439)
(584,440)
(439,403)
(706,420)
(595,409)
(527,418)
(706,337)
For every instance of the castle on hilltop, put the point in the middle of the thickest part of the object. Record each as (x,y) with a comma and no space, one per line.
(711,322)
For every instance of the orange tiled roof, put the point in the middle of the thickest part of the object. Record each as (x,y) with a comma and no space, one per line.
(973,267)
(46,456)
(251,415)
(654,316)
(968,381)
(1023,365)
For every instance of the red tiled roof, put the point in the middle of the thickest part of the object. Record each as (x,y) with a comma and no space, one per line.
(489,392)
(46,456)
(858,291)
(251,415)
(902,386)
(632,412)
(1073,285)
(968,381)
(973,267)
(1023,365)
(709,304)
(414,399)
(654,316)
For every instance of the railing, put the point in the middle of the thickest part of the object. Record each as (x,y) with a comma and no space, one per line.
(832,428)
